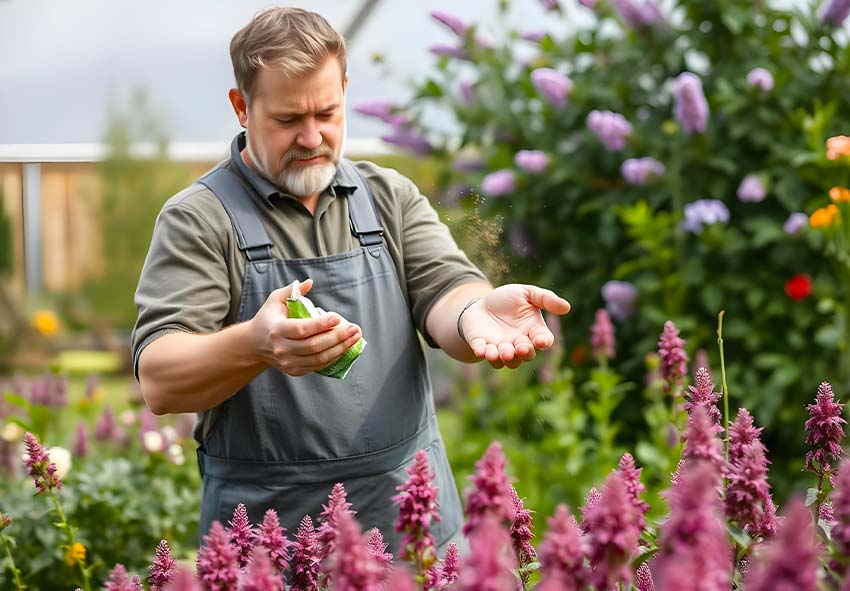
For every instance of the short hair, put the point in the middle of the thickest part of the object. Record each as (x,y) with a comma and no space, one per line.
(295,40)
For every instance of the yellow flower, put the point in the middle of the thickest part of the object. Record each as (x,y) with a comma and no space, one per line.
(824,217)
(669,127)
(839,194)
(45,322)
(837,146)
(75,554)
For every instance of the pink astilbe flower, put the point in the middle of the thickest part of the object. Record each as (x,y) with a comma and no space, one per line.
(378,549)
(337,505)
(183,580)
(417,508)
(631,476)
(272,537)
(521,534)
(491,559)
(701,440)
(304,567)
(765,528)
(826,513)
(613,529)
(841,508)
(353,568)
(590,501)
(39,466)
(602,335)
(162,569)
(672,356)
(106,429)
(742,434)
(218,560)
(747,488)
(242,534)
(119,580)
(791,560)
(400,579)
(451,565)
(824,429)
(562,554)
(81,441)
(643,578)
(695,553)
(703,394)
(490,493)
(262,574)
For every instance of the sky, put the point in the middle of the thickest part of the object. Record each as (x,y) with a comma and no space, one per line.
(65,63)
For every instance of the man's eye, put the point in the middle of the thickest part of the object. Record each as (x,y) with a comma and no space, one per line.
(285,121)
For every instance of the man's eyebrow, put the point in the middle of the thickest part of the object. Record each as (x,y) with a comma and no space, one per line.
(285,114)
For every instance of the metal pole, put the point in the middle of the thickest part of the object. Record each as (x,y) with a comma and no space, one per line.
(32,226)
(360,18)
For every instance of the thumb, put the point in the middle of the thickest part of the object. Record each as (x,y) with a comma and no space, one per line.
(281,294)
(548,300)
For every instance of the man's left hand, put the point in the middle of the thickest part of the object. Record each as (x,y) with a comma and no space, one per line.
(506,326)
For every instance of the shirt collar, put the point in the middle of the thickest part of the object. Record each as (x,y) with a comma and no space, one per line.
(268,190)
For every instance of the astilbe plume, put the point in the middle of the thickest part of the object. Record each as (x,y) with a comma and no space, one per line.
(703,394)
(841,508)
(378,549)
(824,429)
(491,559)
(304,567)
(765,528)
(701,441)
(272,537)
(521,534)
(613,529)
(790,561)
(672,356)
(399,579)
(590,501)
(39,466)
(490,493)
(183,580)
(742,434)
(218,561)
(449,570)
(337,505)
(262,574)
(162,569)
(631,476)
(602,335)
(747,489)
(242,534)
(643,578)
(417,507)
(562,554)
(81,441)
(826,513)
(119,580)
(352,567)
(695,553)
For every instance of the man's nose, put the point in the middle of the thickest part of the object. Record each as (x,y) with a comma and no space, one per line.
(310,137)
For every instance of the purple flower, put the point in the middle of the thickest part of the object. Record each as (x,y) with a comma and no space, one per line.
(704,212)
(262,574)
(521,533)
(836,12)
(417,507)
(824,428)
(791,560)
(386,111)
(499,183)
(691,108)
(747,488)
(631,476)
(218,561)
(39,466)
(554,86)
(673,358)
(761,78)
(337,505)
(602,335)
(640,171)
(305,560)
(450,51)
(533,161)
(162,569)
(701,441)
(105,429)
(378,549)
(638,13)
(589,3)
(466,91)
(551,5)
(409,138)
(703,394)
(751,189)
(534,36)
(795,222)
(841,508)
(620,297)
(490,493)
(643,578)
(695,552)
(562,554)
(477,165)
(826,513)
(272,538)
(81,441)
(490,561)
(455,24)
(613,528)
(742,434)
(611,128)
(242,534)
(119,580)
(352,567)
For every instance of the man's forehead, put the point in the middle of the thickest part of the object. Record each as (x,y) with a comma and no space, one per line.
(318,90)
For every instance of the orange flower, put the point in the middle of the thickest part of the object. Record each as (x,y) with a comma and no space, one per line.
(75,554)
(837,146)
(839,194)
(45,322)
(824,217)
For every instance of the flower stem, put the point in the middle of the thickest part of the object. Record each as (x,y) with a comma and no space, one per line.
(725,389)
(69,536)
(16,574)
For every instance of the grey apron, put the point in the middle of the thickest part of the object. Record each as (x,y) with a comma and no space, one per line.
(282,442)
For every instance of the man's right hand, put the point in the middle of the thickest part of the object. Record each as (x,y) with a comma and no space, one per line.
(297,346)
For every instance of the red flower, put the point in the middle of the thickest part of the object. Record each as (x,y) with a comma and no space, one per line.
(798,287)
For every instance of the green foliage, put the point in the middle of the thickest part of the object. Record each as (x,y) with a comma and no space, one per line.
(7,259)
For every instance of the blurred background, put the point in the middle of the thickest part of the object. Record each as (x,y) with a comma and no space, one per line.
(650,162)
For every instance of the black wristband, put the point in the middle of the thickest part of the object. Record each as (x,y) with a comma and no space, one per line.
(460,317)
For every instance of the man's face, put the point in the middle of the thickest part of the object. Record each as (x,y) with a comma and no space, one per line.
(296,127)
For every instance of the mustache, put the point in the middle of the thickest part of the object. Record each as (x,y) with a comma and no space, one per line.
(303,154)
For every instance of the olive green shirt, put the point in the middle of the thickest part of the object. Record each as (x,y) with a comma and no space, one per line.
(192,276)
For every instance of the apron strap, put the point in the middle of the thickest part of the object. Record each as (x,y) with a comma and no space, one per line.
(362,213)
(250,232)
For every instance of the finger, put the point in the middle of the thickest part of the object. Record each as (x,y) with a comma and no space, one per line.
(327,357)
(478,346)
(281,294)
(524,348)
(514,363)
(506,352)
(303,328)
(323,341)
(546,299)
(497,364)
(541,337)
(491,353)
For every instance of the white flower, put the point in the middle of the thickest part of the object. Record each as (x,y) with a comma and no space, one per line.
(176,453)
(128,417)
(61,457)
(169,432)
(12,432)
(152,441)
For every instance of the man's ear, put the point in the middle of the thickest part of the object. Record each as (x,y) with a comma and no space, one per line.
(240,106)
(345,82)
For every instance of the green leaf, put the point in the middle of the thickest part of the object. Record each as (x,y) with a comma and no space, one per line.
(19,401)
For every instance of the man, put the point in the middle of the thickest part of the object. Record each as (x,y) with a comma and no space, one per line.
(213,335)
